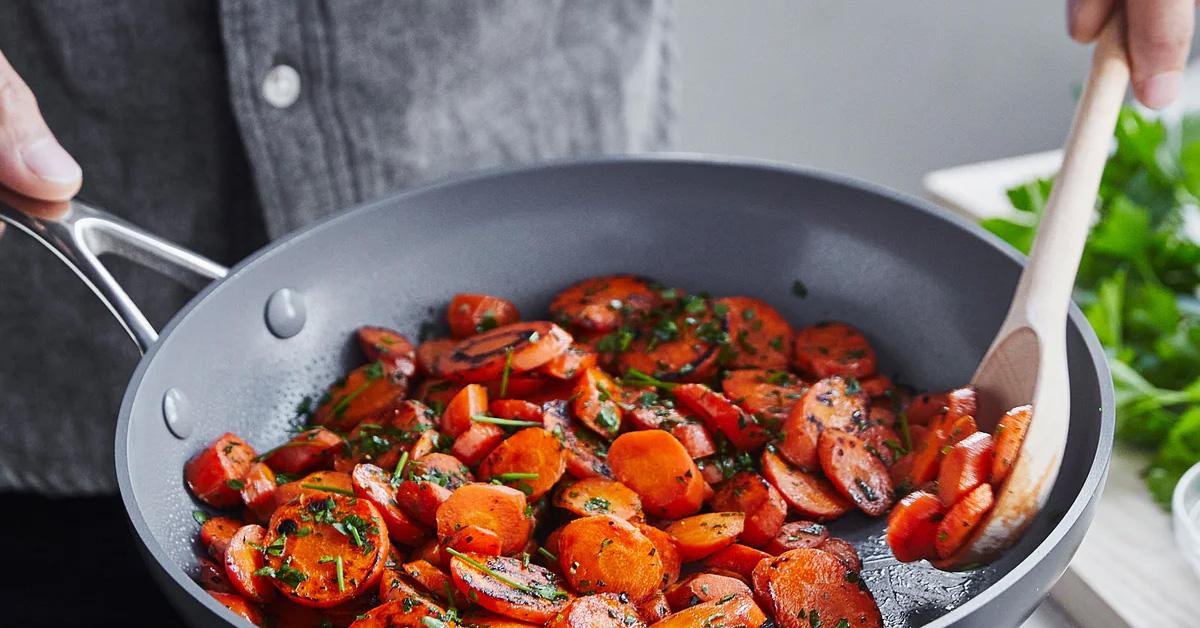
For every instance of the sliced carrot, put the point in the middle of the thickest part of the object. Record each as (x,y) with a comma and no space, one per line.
(727,612)
(532,460)
(827,349)
(654,608)
(317,483)
(519,385)
(428,443)
(304,452)
(700,536)
(736,559)
(876,386)
(601,304)
(883,414)
(239,605)
(660,471)
(284,612)
(599,496)
(810,495)
(750,493)
(798,534)
(941,433)
(586,453)
(688,431)
(519,347)
(578,358)
(552,390)
(603,610)
(215,473)
(831,403)
(882,441)
(516,409)
(961,519)
(471,401)
(704,587)
(912,526)
(368,390)
(721,415)
(381,343)
(767,394)
(962,402)
(470,314)
(844,551)
(374,485)
(475,540)
(924,408)
(967,465)
(433,356)
(473,445)
(809,587)
(435,582)
(215,535)
(596,403)
(427,484)
(497,508)
(596,553)
(370,442)
(488,619)
(211,576)
(759,336)
(244,559)
(666,550)
(509,586)
(855,472)
(682,344)
(402,612)
(258,490)
(1010,433)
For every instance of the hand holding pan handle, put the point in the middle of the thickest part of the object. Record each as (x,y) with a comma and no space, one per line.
(79,233)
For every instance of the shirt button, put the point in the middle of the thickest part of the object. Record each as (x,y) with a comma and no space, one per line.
(281,86)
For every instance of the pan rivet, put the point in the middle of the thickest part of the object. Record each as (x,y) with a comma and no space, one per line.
(175,411)
(285,313)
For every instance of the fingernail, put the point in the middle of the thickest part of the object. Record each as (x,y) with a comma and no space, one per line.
(1162,89)
(48,160)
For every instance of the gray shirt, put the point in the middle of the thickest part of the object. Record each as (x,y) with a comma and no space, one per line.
(223,124)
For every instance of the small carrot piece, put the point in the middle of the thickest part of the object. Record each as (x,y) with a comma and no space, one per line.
(533,454)
(243,561)
(926,407)
(941,433)
(578,358)
(759,336)
(739,610)
(515,409)
(599,496)
(374,485)
(666,550)
(381,343)
(470,314)
(304,452)
(810,495)
(1010,433)
(473,445)
(736,559)
(595,554)
(967,465)
(830,403)
(586,453)
(473,539)
(239,605)
(700,536)
(497,508)
(406,611)
(436,582)
(808,587)
(215,473)
(750,493)
(722,416)
(596,403)
(796,535)
(317,483)
(211,576)
(602,610)
(827,349)
(660,471)
(215,535)
(509,586)
(876,386)
(368,390)
(517,347)
(433,356)
(912,526)
(427,483)
(844,552)
(694,437)
(767,394)
(961,519)
(258,490)
(471,401)
(855,472)
(688,352)
(601,304)
(704,587)
(882,441)
(654,608)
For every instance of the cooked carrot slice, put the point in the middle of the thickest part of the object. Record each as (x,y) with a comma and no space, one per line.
(750,493)
(810,495)
(304,452)
(941,433)
(721,415)
(727,612)
(924,408)
(827,349)
(912,526)
(844,552)
(434,355)
(883,414)
(371,442)
(578,358)
(882,441)
(471,314)
(1010,433)
(682,344)
(516,409)
(509,586)
(497,508)
(598,496)
(586,453)
(700,536)
(602,610)
(475,540)
(487,619)
(855,472)
(429,442)
(368,390)
(435,581)
(736,559)
(831,403)
(407,611)
(427,484)
(961,519)
(258,490)
(244,559)
(471,401)
(654,608)
(798,534)
(473,445)
(601,304)
(767,394)
(660,471)
(704,587)
(374,485)
(211,576)
(381,343)
(809,587)
(759,336)
(519,347)
(215,473)
(596,554)
(967,465)
(688,431)
(596,404)
(532,460)
(876,386)
(215,535)
(666,551)
(962,402)
(239,605)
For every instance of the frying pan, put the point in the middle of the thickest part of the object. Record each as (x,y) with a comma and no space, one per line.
(928,288)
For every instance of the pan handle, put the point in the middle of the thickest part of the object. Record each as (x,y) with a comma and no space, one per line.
(79,233)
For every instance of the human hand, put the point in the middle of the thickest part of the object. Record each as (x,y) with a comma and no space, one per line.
(1159,36)
(32,162)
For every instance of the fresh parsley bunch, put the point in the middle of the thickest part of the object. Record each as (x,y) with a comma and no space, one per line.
(1138,284)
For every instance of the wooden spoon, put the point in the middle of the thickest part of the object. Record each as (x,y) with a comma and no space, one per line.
(1027,362)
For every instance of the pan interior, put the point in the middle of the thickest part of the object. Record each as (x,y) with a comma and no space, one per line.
(928,291)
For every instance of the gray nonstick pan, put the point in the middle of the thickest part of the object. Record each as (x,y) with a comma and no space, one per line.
(928,288)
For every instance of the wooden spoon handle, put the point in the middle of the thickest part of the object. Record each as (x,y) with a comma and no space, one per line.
(1044,292)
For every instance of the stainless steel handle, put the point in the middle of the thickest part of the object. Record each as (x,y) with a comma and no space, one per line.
(79,233)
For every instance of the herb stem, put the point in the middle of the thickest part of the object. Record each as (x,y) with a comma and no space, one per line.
(480,418)
(341,575)
(507,369)
(904,433)
(329,489)
(509,477)
(638,378)
(541,592)
(548,554)
(399,472)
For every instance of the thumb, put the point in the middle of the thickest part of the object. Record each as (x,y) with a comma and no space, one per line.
(32,162)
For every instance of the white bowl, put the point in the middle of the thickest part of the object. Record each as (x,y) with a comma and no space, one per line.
(1185,513)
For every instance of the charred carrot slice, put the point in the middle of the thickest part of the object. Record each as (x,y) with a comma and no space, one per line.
(855,472)
(682,344)
(721,415)
(258,490)
(759,336)
(386,345)
(598,496)
(509,587)
(844,552)
(596,403)
(586,453)
(215,473)
(427,483)
(750,493)
(215,535)
(666,550)
(243,562)
(596,553)
(692,434)
(374,485)
(317,483)
(704,587)
(473,445)
(497,508)
(532,461)
(827,349)
(810,495)
(961,519)
(727,612)
(434,355)
(831,403)
(736,559)
(967,465)
(519,347)
(767,394)
(883,442)
(602,610)
(471,314)
(601,304)
(211,576)
(368,390)
(808,587)
(654,608)
(304,452)
(700,536)
(406,611)
(427,443)
(578,358)
(471,401)
(660,471)
(515,409)
(239,605)
(474,539)
(798,534)
(371,442)
(912,526)
(940,435)
(1010,433)
(435,581)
